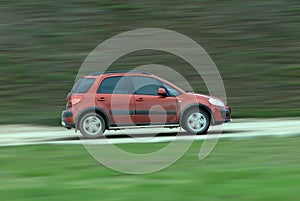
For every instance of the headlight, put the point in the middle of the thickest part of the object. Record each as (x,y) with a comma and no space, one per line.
(216,102)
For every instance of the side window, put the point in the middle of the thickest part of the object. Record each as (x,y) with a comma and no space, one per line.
(171,90)
(145,85)
(114,85)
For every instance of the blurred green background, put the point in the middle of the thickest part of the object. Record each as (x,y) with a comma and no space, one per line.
(255,44)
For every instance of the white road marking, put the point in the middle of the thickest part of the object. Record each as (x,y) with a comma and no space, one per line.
(16,135)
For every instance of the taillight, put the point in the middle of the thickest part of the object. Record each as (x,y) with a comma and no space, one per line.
(73,100)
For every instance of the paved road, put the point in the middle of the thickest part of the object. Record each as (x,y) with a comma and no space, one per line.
(13,135)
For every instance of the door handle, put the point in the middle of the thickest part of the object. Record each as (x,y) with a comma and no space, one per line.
(140,100)
(101,99)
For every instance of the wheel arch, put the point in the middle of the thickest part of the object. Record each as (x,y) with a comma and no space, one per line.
(99,111)
(198,106)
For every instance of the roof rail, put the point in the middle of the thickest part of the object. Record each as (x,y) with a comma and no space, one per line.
(121,71)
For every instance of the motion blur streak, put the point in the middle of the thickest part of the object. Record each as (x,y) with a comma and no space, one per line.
(255,45)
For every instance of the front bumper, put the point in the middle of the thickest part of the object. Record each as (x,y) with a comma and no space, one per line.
(67,119)
(226,114)
(222,115)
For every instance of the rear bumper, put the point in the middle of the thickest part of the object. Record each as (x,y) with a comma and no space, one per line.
(67,120)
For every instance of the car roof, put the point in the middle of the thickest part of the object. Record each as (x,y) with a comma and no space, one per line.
(121,72)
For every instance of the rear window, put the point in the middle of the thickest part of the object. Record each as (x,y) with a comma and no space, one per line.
(83,85)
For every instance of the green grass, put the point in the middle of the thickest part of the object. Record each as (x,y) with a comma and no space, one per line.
(251,170)
(254,43)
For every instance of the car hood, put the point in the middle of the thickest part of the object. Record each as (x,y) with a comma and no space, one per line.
(199,95)
(203,96)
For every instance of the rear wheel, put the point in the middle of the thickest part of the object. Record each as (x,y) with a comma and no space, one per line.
(92,125)
(196,121)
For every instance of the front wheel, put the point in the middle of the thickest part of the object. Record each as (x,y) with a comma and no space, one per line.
(91,125)
(196,121)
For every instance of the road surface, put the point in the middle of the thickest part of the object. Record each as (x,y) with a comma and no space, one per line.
(14,135)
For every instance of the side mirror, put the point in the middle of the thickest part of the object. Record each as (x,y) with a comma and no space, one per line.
(162,92)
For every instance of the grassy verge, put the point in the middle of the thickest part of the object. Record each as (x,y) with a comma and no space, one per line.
(256,169)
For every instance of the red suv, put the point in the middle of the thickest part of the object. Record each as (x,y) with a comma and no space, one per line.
(117,99)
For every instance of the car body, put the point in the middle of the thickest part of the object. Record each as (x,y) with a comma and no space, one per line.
(118,99)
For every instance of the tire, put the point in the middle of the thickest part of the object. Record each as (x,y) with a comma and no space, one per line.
(196,121)
(91,125)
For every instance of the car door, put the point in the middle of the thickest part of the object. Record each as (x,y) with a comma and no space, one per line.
(151,108)
(114,95)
